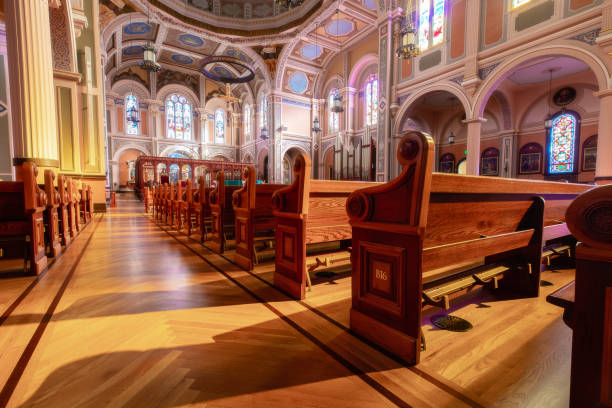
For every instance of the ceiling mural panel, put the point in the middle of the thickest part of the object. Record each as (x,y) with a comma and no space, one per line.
(139,31)
(182,59)
(191,40)
(298,82)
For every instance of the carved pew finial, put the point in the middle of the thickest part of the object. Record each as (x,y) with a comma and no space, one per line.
(412,187)
(292,198)
(589,218)
(245,196)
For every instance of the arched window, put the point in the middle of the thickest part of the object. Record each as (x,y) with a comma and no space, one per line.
(131,114)
(519,3)
(178,117)
(263,111)
(334,117)
(431,23)
(247,122)
(219,126)
(372,100)
(562,143)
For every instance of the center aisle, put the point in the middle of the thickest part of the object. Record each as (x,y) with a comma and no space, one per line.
(146,322)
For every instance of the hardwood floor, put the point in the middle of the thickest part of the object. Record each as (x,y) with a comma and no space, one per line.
(135,315)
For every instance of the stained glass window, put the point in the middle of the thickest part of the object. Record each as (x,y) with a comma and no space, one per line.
(372,100)
(247,122)
(518,3)
(219,126)
(174,173)
(263,111)
(178,118)
(131,103)
(438,22)
(424,8)
(334,117)
(562,144)
(431,23)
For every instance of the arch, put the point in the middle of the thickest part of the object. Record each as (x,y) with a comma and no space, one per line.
(180,148)
(447,86)
(508,67)
(335,81)
(247,158)
(126,86)
(327,162)
(166,91)
(125,147)
(362,64)
(295,146)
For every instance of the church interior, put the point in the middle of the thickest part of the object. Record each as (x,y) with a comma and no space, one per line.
(310,203)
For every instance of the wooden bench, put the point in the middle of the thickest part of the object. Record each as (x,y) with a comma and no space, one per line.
(422,237)
(22,231)
(254,221)
(221,213)
(309,213)
(587,302)
(51,215)
(73,208)
(147,198)
(169,196)
(176,206)
(63,211)
(84,203)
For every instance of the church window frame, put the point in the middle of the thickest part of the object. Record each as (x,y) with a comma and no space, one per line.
(179,117)
(431,23)
(562,143)
(132,128)
(219,126)
(371,100)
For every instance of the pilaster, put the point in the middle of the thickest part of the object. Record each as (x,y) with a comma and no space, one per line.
(603,167)
(473,145)
(32,90)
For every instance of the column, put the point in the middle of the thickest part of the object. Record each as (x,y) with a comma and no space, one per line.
(473,145)
(471,80)
(114,174)
(385,62)
(507,159)
(275,161)
(202,124)
(603,168)
(349,97)
(31,76)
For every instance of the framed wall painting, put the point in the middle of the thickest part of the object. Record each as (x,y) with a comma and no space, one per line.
(447,163)
(530,158)
(589,154)
(489,162)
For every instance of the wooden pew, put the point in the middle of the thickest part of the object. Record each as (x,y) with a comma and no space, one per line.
(588,301)
(63,211)
(51,215)
(22,204)
(253,215)
(424,236)
(176,206)
(147,199)
(306,213)
(201,211)
(73,210)
(90,206)
(222,213)
(170,194)
(83,205)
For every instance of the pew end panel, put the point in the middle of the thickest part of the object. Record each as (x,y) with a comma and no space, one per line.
(589,218)
(22,230)
(243,201)
(222,214)
(51,215)
(290,206)
(388,224)
(253,213)
(63,211)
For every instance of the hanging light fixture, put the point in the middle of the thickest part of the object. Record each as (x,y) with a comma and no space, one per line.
(408,46)
(451,138)
(337,100)
(149,62)
(548,120)
(315,125)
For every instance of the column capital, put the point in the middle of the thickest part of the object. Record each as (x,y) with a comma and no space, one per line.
(604,93)
(474,120)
